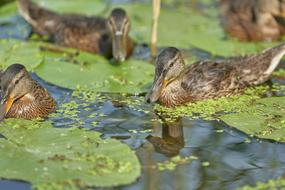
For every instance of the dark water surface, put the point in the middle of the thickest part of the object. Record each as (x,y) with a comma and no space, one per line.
(226,158)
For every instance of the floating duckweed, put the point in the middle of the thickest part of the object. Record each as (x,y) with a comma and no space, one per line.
(212,108)
(205,164)
(273,184)
(174,162)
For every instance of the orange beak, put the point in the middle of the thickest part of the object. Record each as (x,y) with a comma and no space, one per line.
(5,107)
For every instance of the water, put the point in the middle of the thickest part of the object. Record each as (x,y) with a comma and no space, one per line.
(225,158)
(234,158)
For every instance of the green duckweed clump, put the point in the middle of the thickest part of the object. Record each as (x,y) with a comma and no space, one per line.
(212,108)
(273,184)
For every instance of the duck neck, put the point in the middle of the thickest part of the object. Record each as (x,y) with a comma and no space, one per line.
(173,94)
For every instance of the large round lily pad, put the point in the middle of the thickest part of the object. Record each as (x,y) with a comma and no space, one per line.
(68,158)
(70,69)
(264,119)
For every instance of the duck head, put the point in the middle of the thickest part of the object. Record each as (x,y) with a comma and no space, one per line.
(15,82)
(169,65)
(119,26)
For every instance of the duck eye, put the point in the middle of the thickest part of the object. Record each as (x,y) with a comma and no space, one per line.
(17,81)
(171,64)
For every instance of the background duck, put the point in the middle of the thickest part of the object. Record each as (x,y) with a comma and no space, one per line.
(23,97)
(253,20)
(108,37)
(176,83)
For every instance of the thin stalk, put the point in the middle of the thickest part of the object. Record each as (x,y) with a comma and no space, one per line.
(155,17)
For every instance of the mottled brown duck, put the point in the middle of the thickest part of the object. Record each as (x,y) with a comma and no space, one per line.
(108,37)
(176,83)
(23,97)
(253,20)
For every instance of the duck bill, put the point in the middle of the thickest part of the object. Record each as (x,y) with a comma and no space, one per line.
(156,90)
(5,106)
(119,52)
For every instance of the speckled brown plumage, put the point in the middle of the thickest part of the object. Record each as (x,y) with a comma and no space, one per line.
(177,84)
(253,20)
(28,99)
(38,104)
(87,33)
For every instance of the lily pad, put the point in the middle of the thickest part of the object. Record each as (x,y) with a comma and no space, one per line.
(67,158)
(264,119)
(99,75)
(69,68)
(13,51)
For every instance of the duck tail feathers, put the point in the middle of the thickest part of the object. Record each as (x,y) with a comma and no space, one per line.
(40,18)
(278,53)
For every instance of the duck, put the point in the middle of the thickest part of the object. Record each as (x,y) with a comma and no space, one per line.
(253,20)
(108,37)
(22,97)
(178,84)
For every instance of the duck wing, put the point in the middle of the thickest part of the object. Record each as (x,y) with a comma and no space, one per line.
(83,32)
(209,79)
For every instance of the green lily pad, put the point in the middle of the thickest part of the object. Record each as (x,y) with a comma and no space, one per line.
(264,119)
(13,51)
(99,75)
(70,69)
(67,158)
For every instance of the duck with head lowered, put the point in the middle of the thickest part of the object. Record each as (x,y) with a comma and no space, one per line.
(177,84)
(107,37)
(23,97)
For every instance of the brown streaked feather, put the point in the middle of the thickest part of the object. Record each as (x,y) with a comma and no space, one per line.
(34,105)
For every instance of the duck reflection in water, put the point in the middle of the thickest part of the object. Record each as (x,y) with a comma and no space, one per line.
(172,140)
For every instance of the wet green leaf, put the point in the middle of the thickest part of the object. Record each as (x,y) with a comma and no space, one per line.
(99,75)
(70,69)
(264,119)
(67,158)
(13,51)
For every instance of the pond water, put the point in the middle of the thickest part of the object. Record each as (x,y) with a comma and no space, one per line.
(220,157)
(223,158)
